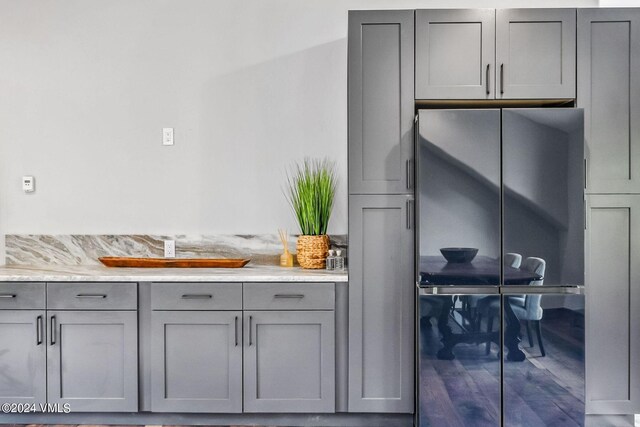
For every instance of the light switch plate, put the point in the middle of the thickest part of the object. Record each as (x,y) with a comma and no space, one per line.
(167,136)
(28,184)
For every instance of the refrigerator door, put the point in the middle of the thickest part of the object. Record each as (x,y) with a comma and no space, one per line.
(459,382)
(543,196)
(544,385)
(458,192)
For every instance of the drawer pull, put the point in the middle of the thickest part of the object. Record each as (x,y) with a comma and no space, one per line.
(7,295)
(197,296)
(101,296)
(291,296)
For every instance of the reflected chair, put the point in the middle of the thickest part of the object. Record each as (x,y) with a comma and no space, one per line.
(526,307)
(472,301)
(512,259)
(429,306)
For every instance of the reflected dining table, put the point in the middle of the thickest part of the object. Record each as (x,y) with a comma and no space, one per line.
(483,271)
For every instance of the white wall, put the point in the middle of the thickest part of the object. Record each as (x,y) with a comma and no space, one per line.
(249,86)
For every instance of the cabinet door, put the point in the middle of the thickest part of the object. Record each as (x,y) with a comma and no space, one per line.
(455,53)
(196,361)
(536,53)
(381,304)
(613,297)
(289,361)
(609,92)
(381,101)
(92,360)
(22,357)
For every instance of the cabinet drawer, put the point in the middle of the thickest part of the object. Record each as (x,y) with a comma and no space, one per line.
(196,296)
(92,296)
(20,295)
(289,296)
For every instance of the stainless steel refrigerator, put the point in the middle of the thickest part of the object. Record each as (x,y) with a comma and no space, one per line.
(500,202)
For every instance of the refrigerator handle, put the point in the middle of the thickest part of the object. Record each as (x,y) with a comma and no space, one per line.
(410,180)
(458,290)
(510,290)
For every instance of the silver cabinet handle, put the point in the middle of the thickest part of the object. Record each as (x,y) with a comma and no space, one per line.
(250,327)
(296,296)
(585,172)
(100,296)
(53,330)
(7,295)
(584,212)
(197,296)
(409,214)
(488,80)
(39,330)
(501,78)
(409,170)
(406,167)
(236,330)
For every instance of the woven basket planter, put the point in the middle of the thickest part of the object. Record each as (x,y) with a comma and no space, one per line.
(312,251)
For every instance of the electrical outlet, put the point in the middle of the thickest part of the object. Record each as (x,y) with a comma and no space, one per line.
(169,248)
(167,136)
(28,184)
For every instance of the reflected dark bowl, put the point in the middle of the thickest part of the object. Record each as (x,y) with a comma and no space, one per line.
(459,255)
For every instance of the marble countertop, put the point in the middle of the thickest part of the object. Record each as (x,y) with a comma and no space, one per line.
(92,273)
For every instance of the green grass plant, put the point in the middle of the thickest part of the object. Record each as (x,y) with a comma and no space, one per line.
(311,193)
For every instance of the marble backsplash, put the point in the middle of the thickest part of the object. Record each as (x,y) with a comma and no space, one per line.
(85,249)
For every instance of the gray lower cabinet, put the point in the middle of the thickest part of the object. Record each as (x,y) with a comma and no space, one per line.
(381,103)
(609,92)
(455,51)
(613,298)
(92,360)
(381,304)
(535,53)
(22,356)
(196,361)
(289,361)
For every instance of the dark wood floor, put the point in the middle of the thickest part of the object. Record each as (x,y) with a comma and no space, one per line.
(541,391)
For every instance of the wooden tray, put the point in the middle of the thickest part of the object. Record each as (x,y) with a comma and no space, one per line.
(174,262)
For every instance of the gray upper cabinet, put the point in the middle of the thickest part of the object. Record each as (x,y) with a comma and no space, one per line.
(196,361)
(381,304)
(381,112)
(613,298)
(609,92)
(22,356)
(535,53)
(289,361)
(92,360)
(455,51)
